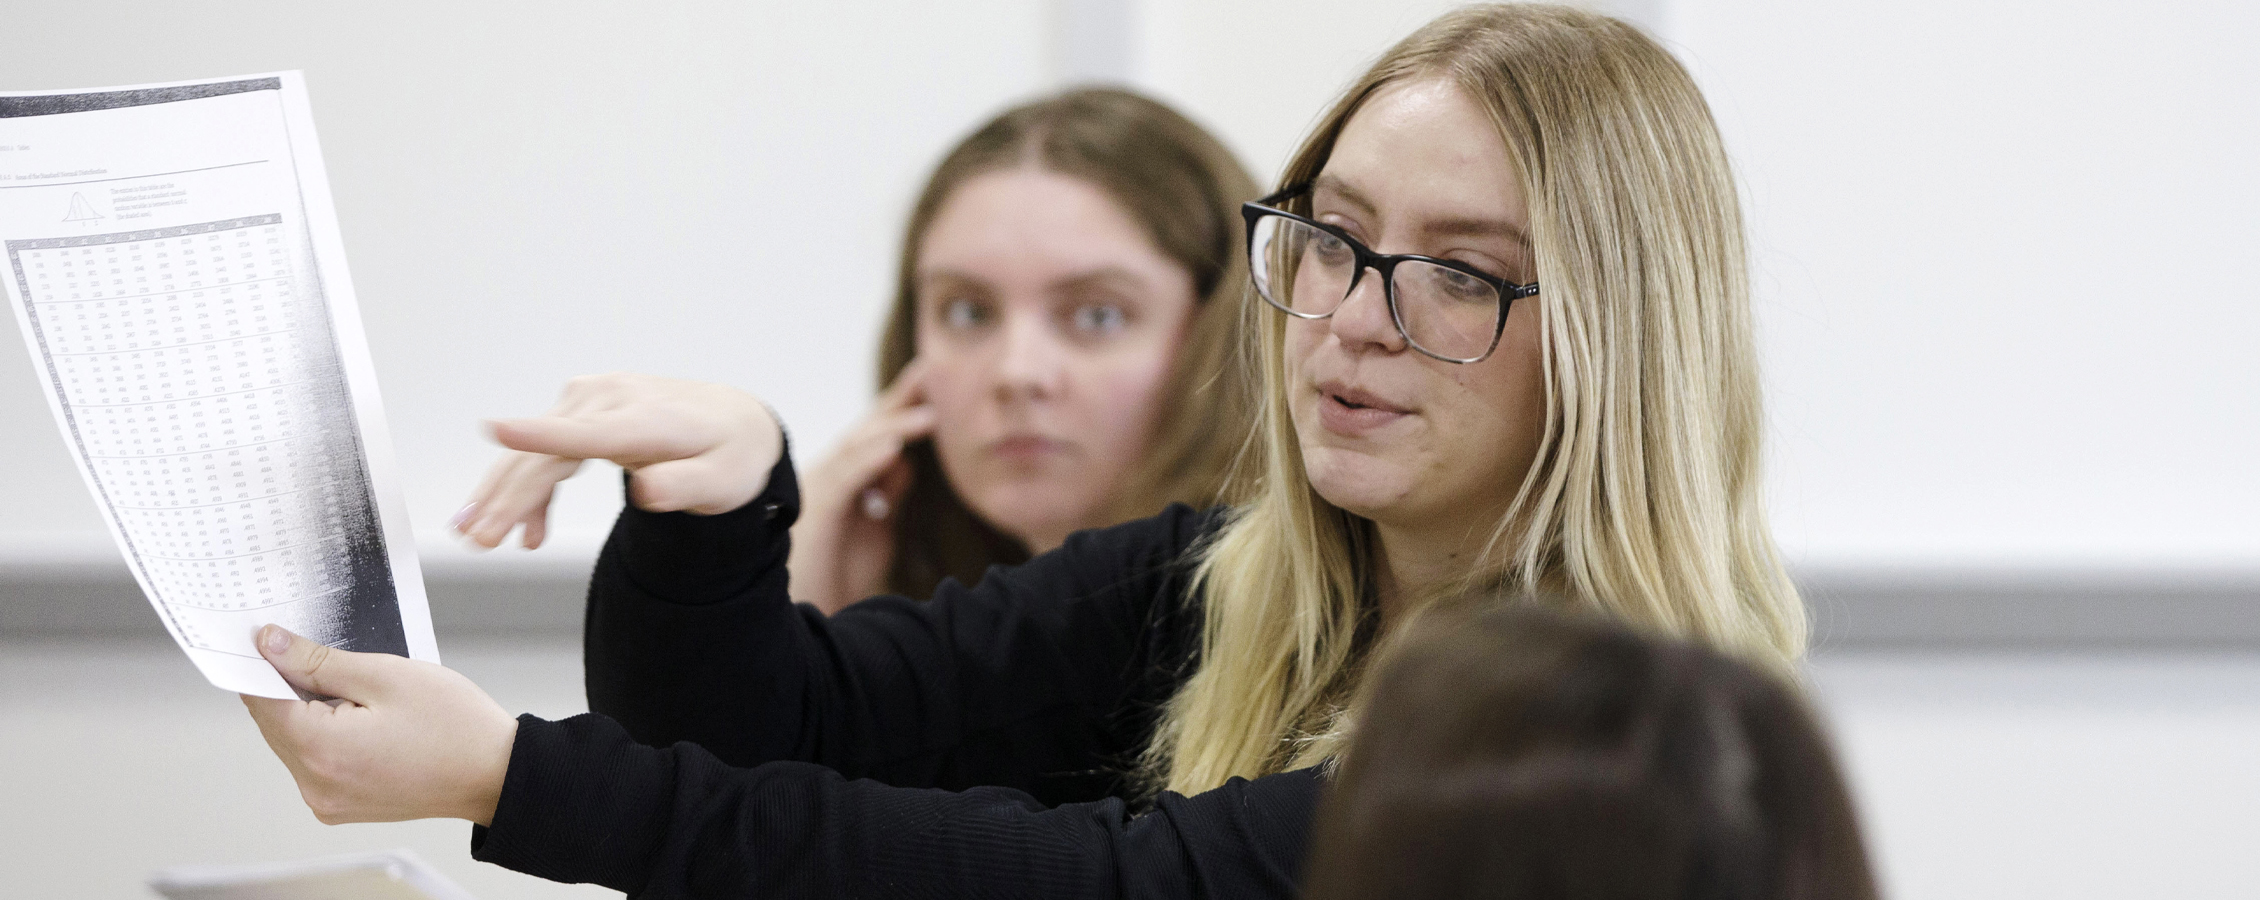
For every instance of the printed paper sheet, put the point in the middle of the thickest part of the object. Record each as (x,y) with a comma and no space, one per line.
(173,258)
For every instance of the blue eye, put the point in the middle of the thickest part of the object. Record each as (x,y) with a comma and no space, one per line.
(1465,286)
(963,314)
(1100,318)
(1330,248)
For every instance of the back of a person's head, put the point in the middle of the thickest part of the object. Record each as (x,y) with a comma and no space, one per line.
(1511,752)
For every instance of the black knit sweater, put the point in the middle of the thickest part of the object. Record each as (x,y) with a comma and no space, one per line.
(972,746)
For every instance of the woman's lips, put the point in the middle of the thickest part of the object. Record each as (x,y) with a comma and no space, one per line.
(1351,412)
(1026,448)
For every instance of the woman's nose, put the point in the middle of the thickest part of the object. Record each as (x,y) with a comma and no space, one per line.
(1363,320)
(1029,366)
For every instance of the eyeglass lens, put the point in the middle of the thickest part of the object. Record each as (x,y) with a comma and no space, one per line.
(1308,272)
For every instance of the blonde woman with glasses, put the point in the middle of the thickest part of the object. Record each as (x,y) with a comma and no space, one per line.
(1503,344)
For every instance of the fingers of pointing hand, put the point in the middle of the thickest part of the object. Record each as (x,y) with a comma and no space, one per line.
(621,416)
(537,529)
(586,393)
(524,498)
(700,447)
(517,491)
(586,436)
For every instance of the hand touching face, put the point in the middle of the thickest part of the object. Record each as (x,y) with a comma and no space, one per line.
(844,542)
(1047,324)
(1413,442)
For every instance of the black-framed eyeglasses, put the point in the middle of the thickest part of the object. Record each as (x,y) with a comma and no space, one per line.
(1305,268)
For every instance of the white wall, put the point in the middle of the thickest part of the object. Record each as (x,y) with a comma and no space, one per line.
(1261,71)
(2001,248)
(2005,266)
(2051,777)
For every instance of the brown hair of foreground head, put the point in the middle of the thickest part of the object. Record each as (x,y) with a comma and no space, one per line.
(1512,752)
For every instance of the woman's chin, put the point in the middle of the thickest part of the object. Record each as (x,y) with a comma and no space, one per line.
(1032,512)
(1359,484)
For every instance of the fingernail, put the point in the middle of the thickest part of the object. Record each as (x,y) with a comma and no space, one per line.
(461,516)
(276,639)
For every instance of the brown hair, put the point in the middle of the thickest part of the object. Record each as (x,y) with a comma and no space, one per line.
(1514,752)
(1185,189)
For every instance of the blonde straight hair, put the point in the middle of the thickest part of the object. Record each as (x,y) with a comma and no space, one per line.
(1644,502)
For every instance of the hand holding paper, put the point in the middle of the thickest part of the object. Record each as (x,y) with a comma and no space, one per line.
(404,739)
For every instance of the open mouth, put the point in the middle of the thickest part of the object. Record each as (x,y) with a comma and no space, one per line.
(1349,411)
(1354,399)
(1351,404)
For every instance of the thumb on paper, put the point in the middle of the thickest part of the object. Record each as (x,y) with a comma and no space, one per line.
(316,668)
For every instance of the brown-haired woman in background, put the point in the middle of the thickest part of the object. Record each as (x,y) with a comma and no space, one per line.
(1070,270)
(1505,752)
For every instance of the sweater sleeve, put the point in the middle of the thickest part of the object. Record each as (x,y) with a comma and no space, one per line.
(1042,677)
(585,803)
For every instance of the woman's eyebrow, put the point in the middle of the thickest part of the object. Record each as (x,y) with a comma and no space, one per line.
(927,281)
(944,274)
(1098,278)
(1333,184)
(1451,227)
(1476,228)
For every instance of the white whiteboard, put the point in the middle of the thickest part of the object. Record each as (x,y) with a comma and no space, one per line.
(2005,263)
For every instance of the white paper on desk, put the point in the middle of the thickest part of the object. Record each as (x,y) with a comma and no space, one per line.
(389,875)
(174,260)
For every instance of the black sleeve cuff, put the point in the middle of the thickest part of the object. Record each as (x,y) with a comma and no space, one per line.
(581,803)
(693,559)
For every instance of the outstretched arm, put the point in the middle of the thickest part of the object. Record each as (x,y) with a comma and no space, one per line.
(584,803)
(1038,677)
(579,800)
